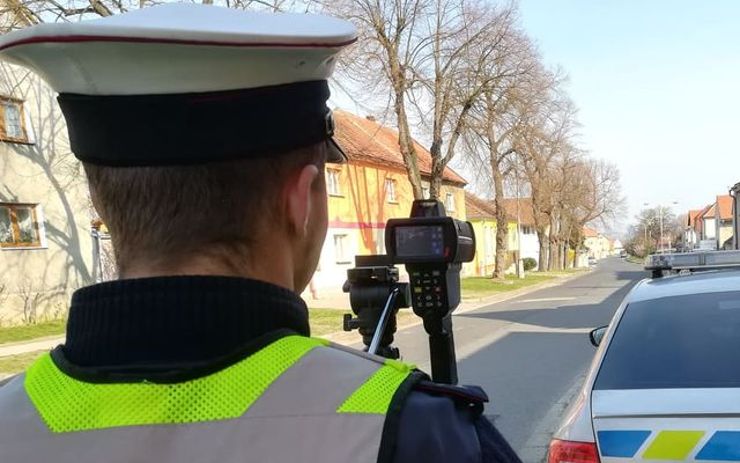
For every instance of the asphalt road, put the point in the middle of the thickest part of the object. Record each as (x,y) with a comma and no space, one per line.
(530,353)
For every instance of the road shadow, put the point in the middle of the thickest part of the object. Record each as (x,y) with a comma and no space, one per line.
(564,317)
(525,375)
(631,274)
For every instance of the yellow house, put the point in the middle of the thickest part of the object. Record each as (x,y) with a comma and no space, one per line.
(482,214)
(598,245)
(367,191)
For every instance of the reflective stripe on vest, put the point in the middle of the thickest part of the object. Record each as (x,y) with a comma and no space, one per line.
(298,399)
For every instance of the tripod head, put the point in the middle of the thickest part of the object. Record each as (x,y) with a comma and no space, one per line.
(375,295)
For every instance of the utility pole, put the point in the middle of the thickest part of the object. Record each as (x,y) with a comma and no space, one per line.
(660,208)
(519,261)
(644,242)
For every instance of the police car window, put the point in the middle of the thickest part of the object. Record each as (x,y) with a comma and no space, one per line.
(675,342)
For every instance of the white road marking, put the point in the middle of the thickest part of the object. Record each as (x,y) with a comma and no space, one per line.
(546,299)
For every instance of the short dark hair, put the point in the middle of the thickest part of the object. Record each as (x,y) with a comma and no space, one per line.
(166,214)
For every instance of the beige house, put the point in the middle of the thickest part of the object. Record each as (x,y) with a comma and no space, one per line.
(598,245)
(45,243)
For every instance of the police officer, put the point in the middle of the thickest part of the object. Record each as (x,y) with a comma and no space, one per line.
(203,133)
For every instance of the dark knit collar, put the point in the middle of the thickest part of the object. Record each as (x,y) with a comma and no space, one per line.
(165,322)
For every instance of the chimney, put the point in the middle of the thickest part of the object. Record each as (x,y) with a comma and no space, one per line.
(370,117)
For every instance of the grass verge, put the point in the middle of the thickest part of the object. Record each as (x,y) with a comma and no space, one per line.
(26,332)
(18,363)
(323,322)
(635,260)
(327,321)
(478,287)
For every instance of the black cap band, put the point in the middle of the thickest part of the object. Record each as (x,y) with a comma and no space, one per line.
(196,128)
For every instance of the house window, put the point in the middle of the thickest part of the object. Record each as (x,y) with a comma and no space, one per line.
(390,190)
(450,202)
(19,226)
(527,230)
(333,186)
(341,249)
(12,121)
(425,192)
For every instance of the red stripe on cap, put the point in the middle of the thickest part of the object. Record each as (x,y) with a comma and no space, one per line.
(104,38)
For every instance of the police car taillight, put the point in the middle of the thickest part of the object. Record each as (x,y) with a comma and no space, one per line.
(563,451)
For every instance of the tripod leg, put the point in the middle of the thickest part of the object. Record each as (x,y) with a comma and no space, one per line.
(441,349)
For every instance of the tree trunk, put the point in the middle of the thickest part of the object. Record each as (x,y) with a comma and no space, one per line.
(502,227)
(565,255)
(543,242)
(405,143)
(552,261)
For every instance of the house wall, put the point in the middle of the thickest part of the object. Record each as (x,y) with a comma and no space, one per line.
(725,233)
(690,237)
(530,246)
(710,230)
(43,172)
(598,246)
(357,217)
(485,248)
(484,262)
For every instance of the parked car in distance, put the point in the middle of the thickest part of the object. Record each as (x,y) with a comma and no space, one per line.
(664,384)
(623,253)
(592,260)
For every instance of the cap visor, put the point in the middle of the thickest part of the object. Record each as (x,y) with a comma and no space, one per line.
(335,153)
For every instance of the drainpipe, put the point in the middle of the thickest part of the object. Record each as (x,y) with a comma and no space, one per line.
(735,216)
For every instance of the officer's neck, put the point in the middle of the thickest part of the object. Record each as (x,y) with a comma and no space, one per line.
(276,269)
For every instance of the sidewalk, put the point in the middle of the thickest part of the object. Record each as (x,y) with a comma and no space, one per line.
(23,347)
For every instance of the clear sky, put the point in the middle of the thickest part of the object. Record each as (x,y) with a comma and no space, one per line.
(658,87)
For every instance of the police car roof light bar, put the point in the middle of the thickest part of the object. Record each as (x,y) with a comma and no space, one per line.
(692,261)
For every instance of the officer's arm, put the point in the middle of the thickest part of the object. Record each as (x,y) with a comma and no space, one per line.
(441,425)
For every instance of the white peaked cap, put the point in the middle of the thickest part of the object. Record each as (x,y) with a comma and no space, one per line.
(197,62)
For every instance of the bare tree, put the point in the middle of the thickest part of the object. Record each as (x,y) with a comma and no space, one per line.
(496,118)
(475,49)
(30,299)
(18,14)
(434,56)
(542,137)
(390,50)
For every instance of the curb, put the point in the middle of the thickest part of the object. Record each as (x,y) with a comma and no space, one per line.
(343,337)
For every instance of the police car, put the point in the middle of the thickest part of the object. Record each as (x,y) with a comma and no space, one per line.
(665,382)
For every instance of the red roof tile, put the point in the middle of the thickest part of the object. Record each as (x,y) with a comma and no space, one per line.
(526,210)
(699,223)
(369,141)
(725,207)
(692,216)
(590,232)
(478,208)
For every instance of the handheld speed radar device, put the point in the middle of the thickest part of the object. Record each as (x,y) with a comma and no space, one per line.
(433,247)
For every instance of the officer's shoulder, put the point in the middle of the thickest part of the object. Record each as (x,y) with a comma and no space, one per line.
(469,396)
(442,423)
(437,423)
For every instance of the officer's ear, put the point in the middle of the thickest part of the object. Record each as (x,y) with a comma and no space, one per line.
(299,198)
